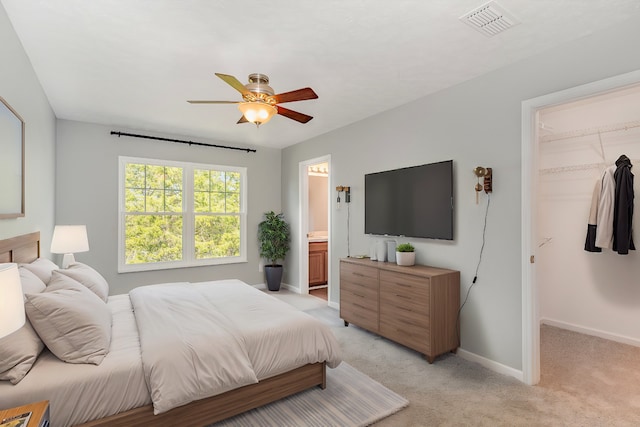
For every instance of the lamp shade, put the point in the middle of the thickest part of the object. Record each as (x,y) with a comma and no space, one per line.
(69,239)
(11,300)
(257,112)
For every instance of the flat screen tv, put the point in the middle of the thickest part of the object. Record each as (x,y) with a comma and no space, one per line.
(413,202)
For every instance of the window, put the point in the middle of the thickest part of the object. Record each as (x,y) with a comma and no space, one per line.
(175,214)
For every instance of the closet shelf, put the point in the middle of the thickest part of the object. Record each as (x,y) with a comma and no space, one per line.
(617,127)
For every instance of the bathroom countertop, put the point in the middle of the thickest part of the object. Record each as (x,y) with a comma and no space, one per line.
(318,239)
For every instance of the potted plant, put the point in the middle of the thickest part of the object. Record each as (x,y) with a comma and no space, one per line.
(274,238)
(405,254)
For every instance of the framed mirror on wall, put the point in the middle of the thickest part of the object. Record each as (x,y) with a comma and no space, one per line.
(11,162)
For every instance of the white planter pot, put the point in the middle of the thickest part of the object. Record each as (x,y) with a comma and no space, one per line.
(405,258)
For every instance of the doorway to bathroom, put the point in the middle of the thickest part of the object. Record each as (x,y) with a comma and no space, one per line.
(315,222)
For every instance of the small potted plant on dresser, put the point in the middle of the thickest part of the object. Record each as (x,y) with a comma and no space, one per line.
(405,254)
(274,238)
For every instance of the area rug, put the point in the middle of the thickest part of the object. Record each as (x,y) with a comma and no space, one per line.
(350,399)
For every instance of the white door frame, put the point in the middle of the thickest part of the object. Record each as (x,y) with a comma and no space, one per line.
(303,198)
(530,108)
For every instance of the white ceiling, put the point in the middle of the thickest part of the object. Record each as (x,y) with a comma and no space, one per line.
(134,63)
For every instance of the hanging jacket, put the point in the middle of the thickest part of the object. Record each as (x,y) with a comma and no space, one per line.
(592,225)
(600,225)
(604,232)
(623,207)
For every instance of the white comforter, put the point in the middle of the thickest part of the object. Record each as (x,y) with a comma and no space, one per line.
(203,339)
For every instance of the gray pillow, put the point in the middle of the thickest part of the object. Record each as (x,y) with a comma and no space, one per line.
(31,284)
(41,267)
(18,353)
(73,322)
(88,277)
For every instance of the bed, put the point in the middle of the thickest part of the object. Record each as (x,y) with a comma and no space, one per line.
(120,391)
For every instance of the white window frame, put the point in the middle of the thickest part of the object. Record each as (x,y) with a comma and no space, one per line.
(188,221)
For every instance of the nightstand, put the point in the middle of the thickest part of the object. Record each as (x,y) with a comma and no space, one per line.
(39,413)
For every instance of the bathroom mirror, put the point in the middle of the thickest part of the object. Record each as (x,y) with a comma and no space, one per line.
(11,162)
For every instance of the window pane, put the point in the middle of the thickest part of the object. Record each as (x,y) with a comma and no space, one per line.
(173,178)
(173,201)
(217,202)
(155,177)
(217,181)
(134,200)
(201,180)
(153,238)
(233,182)
(233,203)
(155,201)
(217,236)
(201,201)
(134,176)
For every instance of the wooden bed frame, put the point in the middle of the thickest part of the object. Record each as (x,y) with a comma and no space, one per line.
(26,248)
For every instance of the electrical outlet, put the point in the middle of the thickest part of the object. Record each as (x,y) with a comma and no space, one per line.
(260,267)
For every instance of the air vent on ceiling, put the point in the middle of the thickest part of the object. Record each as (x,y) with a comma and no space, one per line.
(490,19)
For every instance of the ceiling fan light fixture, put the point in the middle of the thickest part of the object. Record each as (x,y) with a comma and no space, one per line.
(257,112)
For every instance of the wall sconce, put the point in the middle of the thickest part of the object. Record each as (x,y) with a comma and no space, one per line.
(487,180)
(347,194)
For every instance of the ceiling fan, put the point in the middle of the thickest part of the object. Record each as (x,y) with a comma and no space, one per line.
(259,103)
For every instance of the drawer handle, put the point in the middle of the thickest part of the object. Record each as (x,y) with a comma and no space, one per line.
(355,273)
(404,296)
(361,306)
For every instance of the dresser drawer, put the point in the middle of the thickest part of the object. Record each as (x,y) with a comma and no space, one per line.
(418,339)
(368,301)
(359,310)
(360,274)
(404,317)
(411,286)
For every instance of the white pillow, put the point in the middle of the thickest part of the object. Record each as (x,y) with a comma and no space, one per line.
(41,267)
(88,277)
(18,353)
(73,322)
(31,284)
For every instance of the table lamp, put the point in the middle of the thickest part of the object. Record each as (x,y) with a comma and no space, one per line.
(67,240)
(11,300)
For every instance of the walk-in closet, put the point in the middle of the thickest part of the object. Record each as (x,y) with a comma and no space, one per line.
(594,294)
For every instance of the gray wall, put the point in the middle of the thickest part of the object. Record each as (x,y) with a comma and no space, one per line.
(474,123)
(87,193)
(20,87)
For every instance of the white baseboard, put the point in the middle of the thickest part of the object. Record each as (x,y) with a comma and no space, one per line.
(290,288)
(334,305)
(593,332)
(491,364)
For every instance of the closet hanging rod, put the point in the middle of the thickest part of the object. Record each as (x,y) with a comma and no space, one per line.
(580,167)
(181,141)
(591,131)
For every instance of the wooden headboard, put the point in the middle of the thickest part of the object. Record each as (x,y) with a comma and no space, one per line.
(20,249)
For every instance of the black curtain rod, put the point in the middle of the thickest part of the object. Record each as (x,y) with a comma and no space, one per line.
(181,141)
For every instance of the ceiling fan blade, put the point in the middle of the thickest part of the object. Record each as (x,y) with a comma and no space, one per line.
(295,95)
(243,119)
(233,82)
(213,102)
(294,115)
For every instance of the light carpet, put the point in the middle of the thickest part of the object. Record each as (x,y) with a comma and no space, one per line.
(350,399)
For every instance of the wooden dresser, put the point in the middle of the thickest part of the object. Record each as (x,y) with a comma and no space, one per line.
(415,306)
